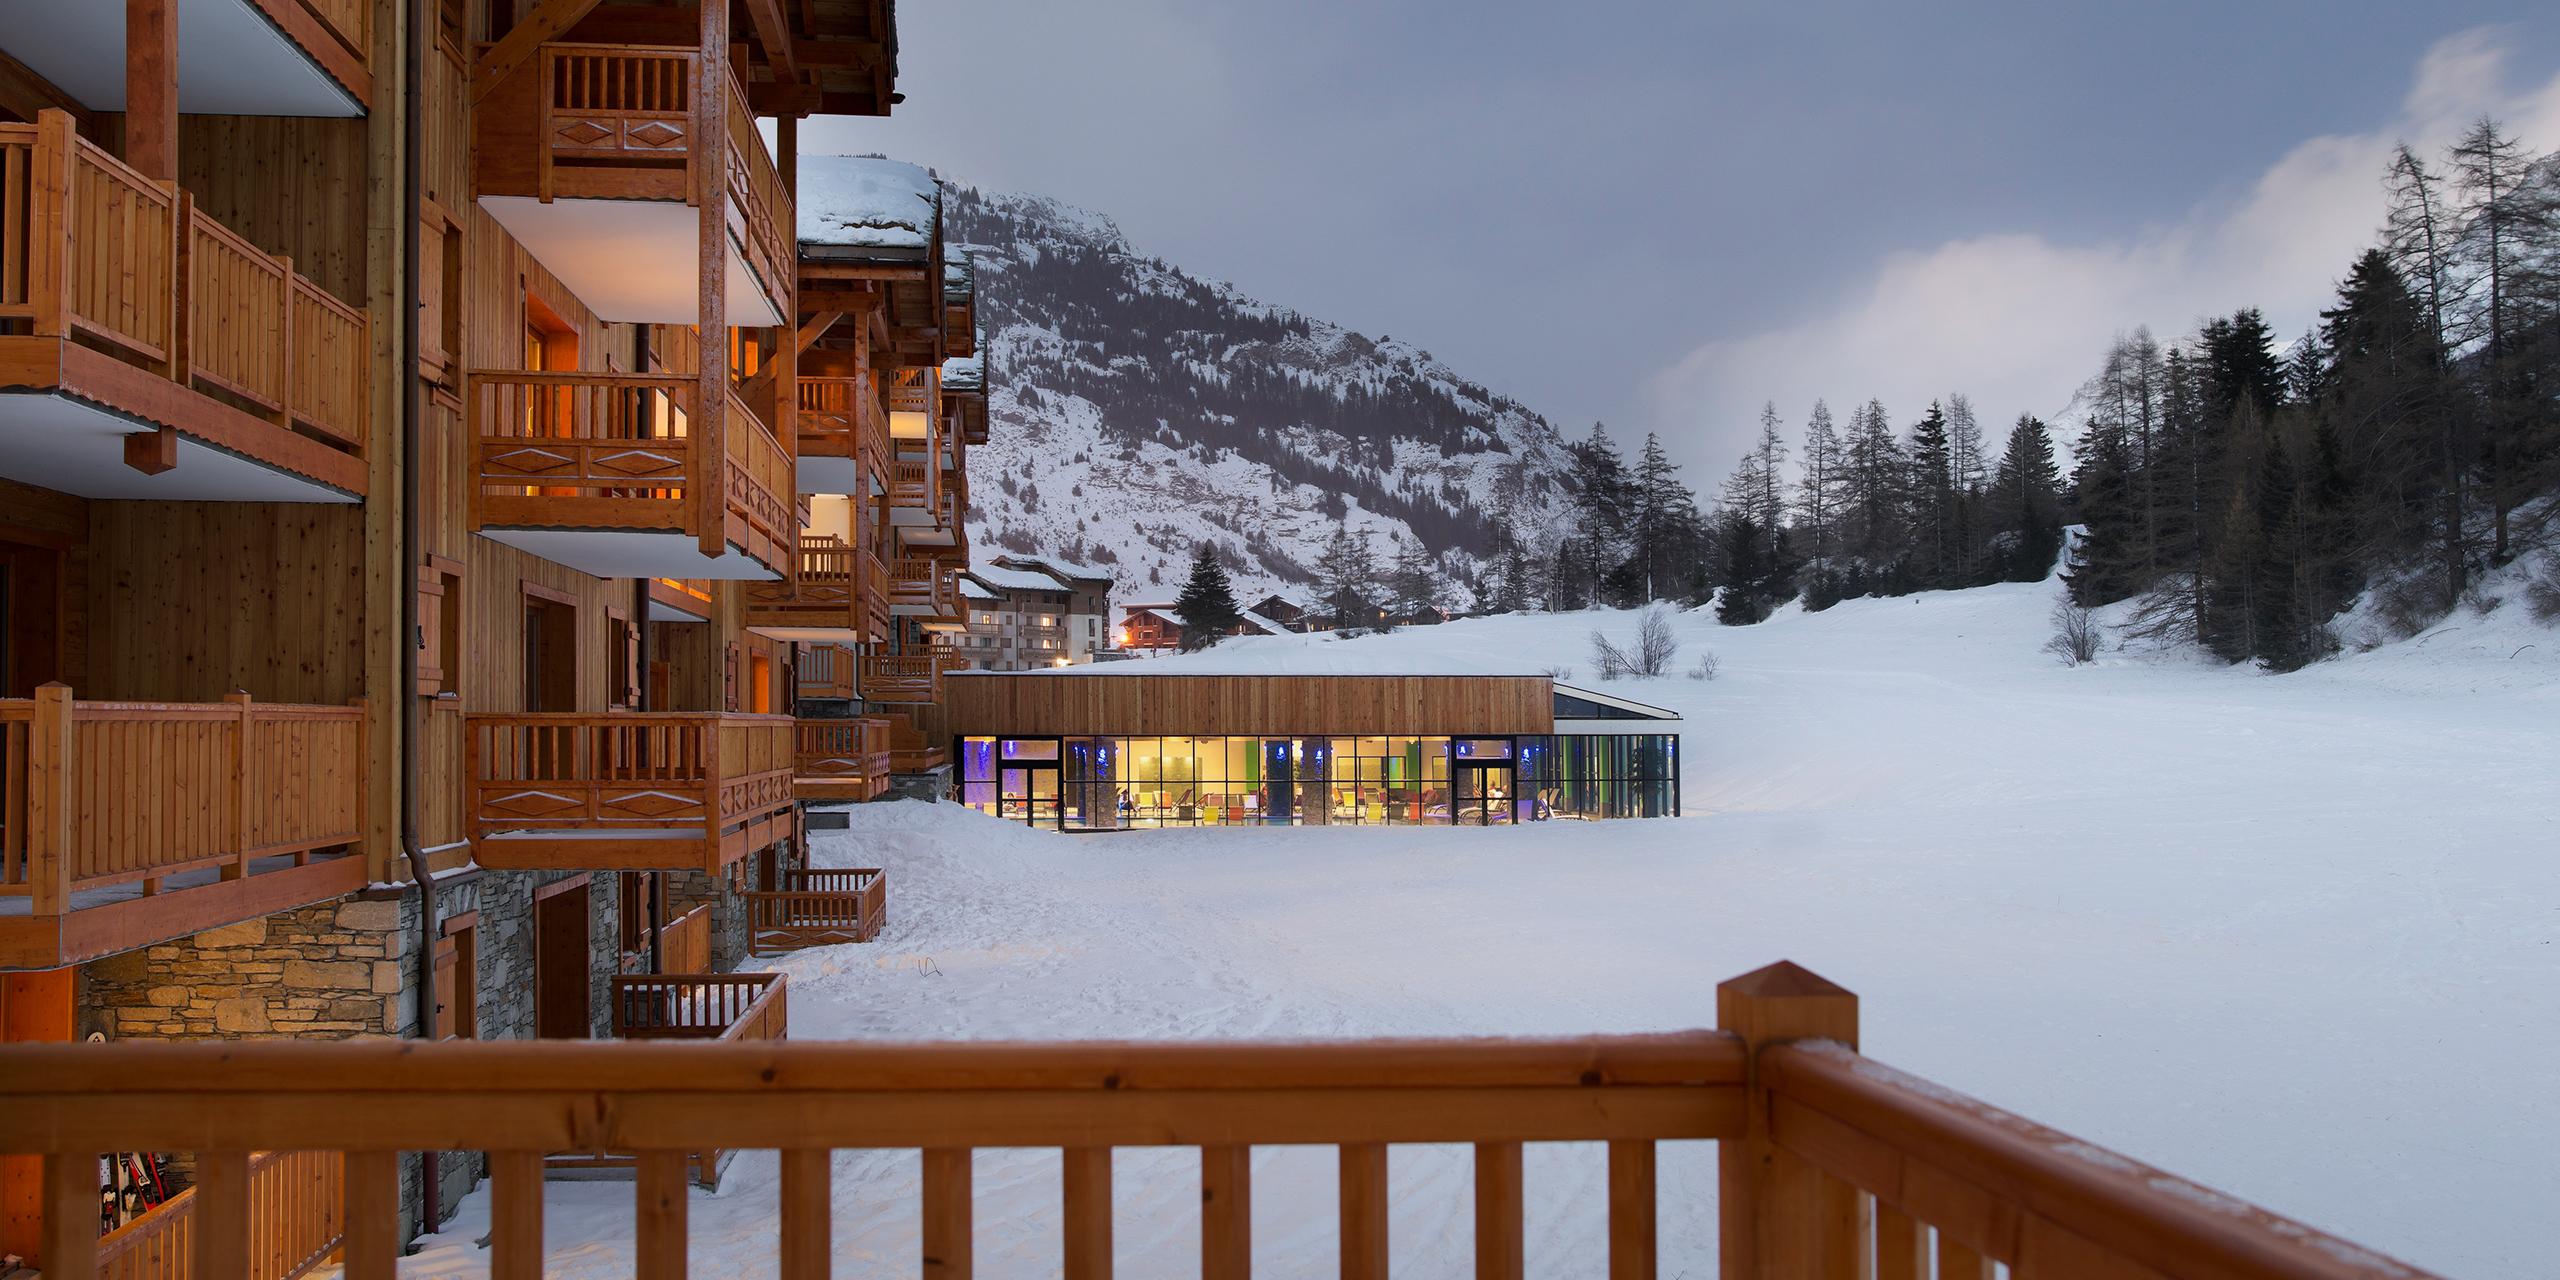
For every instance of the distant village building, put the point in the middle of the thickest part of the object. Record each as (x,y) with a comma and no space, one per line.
(1159,628)
(1282,610)
(1025,612)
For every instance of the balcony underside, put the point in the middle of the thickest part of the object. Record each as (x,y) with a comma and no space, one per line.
(810,634)
(630,261)
(820,473)
(115,918)
(65,420)
(639,849)
(634,553)
(234,60)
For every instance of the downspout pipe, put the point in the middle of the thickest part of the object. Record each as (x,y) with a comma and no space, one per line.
(641,355)
(413,136)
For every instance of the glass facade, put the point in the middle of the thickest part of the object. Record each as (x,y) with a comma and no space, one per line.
(1112,783)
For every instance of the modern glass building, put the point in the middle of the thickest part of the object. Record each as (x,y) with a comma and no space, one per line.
(1584,755)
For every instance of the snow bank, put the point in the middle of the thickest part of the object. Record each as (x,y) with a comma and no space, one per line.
(2296,938)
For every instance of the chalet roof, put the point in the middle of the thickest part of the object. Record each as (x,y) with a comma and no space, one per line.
(959,275)
(1007,579)
(1058,567)
(1263,624)
(971,588)
(964,375)
(867,204)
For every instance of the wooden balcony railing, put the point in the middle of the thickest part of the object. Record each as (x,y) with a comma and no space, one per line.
(910,751)
(842,759)
(225,802)
(925,587)
(110,282)
(825,592)
(655,791)
(699,1006)
(1830,1164)
(296,1213)
(907,677)
(616,122)
(916,389)
(818,908)
(827,671)
(620,451)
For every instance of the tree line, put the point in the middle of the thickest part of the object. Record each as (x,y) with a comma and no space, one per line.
(2240,492)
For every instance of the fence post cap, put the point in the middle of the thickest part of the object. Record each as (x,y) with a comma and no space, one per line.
(53,691)
(1783,980)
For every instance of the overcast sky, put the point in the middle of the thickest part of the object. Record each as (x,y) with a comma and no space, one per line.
(1662,214)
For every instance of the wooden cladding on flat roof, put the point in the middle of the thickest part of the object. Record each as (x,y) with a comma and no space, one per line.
(1201,704)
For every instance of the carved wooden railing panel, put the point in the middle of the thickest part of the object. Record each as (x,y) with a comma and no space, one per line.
(761,218)
(108,793)
(763,489)
(823,590)
(1828,1161)
(583,449)
(818,908)
(845,756)
(612,107)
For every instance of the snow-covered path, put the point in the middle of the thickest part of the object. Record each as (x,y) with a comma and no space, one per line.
(2296,937)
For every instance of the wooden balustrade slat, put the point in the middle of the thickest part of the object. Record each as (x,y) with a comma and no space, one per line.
(1902,1245)
(515,1215)
(1499,1244)
(947,1211)
(222,1227)
(1632,1209)
(1226,1212)
(660,1237)
(807,1213)
(1085,1192)
(372,1249)
(1363,1192)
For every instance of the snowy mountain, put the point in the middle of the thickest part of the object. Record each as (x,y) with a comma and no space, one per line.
(1138,409)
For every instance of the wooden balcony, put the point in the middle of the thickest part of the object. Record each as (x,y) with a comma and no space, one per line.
(661,791)
(827,671)
(296,1219)
(679,600)
(308,58)
(843,434)
(818,908)
(616,475)
(907,677)
(910,751)
(837,594)
(127,823)
(842,759)
(147,351)
(1830,1163)
(585,153)
(719,1008)
(924,587)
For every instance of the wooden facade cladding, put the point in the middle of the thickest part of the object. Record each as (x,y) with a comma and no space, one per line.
(1077,703)
(125,823)
(119,291)
(627,792)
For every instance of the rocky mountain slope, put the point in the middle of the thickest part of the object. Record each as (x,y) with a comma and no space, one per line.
(1138,409)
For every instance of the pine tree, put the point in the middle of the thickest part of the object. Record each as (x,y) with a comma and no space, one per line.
(1817,496)
(1662,528)
(1932,493)
(1413,586)
(1208,601)
(1873,535)
(1967,467)
(2025,504)
(2107,566)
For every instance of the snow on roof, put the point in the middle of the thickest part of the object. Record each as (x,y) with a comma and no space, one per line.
(866,202)
(1059,566)
(964,374)
(959,275)
(1266,625)
(1004,579)
(969,587)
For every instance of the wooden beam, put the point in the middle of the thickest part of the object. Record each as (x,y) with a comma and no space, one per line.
(540,27)
(25,94)
(773,31)
(710,166)
(852,302)
(817,328)
(151,88)
(152,452)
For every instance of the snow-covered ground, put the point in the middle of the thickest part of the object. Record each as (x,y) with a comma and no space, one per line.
(2296,937)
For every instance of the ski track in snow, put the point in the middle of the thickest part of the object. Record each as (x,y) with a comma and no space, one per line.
(2296,938)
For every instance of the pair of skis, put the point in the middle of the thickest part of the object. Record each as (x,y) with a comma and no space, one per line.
(136,1183)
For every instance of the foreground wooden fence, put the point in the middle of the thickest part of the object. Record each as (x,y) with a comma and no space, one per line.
(1831,1165)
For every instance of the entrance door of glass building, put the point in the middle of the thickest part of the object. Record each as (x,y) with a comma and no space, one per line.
(1484,793)
(1028,793)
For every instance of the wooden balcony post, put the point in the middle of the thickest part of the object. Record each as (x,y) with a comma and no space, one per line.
(243,793)
(1779,1217)
(51,795)
(708,152)
(69,1245)
(151,87)
(49,255)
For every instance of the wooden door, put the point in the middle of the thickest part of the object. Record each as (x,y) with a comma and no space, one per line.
(561,962)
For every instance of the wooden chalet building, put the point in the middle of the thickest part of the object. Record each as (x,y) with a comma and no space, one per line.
(403,443)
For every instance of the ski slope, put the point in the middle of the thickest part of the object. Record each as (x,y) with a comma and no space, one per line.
(2296,937)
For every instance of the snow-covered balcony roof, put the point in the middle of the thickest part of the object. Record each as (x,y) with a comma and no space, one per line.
(867,205)
(959,276)
(964,375)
